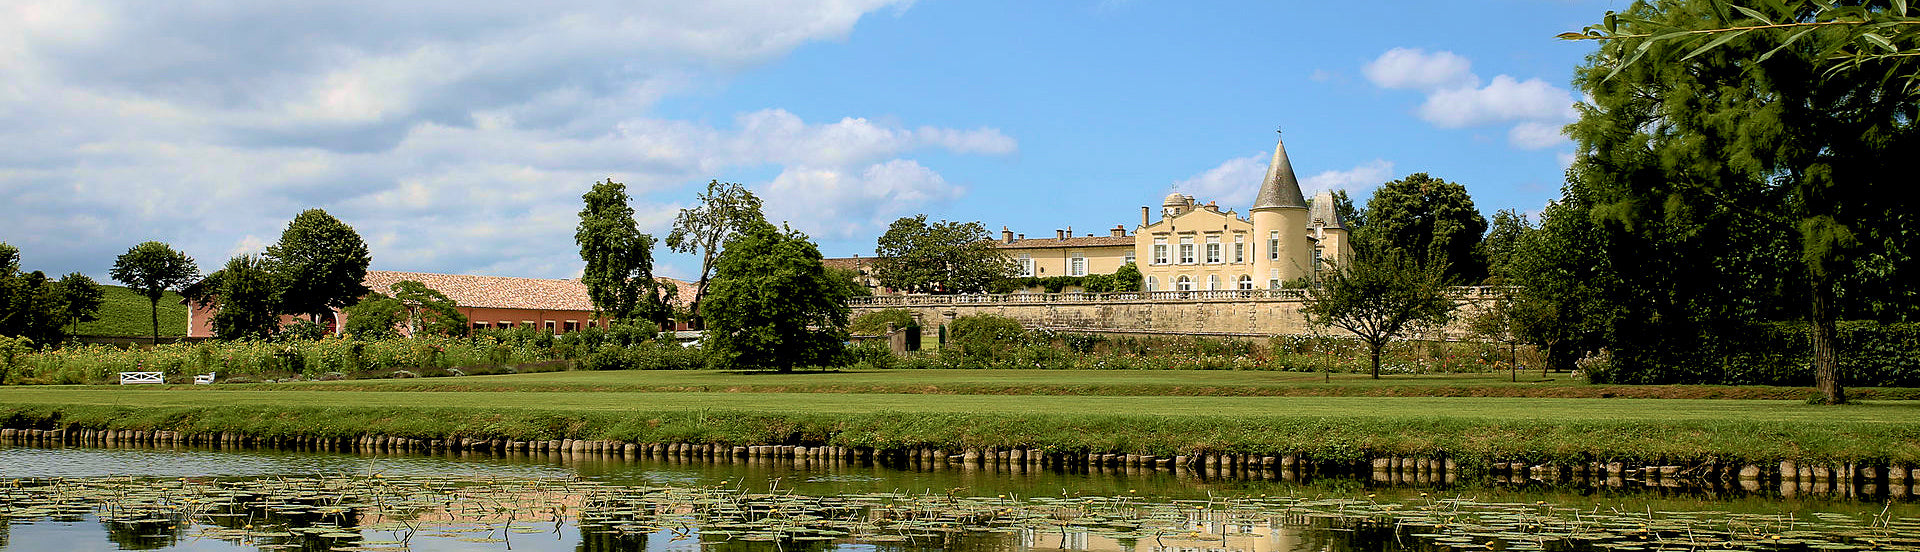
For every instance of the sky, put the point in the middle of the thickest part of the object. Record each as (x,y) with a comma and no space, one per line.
(458,137)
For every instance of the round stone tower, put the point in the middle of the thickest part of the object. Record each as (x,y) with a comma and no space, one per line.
(1283,250)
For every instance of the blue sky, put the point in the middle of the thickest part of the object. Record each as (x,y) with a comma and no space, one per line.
(458,136)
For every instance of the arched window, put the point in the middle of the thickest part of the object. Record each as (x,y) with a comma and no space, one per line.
(1246,281)
(1184,283)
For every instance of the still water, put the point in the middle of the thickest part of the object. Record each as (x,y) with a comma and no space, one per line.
(190,499)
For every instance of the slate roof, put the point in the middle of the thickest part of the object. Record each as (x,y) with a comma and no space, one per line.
(1280,189)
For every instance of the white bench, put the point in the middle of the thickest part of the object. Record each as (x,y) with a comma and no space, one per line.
(204,379)
(131,378)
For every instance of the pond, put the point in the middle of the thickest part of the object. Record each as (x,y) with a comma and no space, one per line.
(197,499)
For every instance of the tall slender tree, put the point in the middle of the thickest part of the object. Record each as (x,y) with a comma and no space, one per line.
(619,272)
(724,209)
(153,268)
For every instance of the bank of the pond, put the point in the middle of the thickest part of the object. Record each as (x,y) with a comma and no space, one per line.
(1706,448)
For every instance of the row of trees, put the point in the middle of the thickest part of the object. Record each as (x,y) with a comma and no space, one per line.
(39,308)
(764,299)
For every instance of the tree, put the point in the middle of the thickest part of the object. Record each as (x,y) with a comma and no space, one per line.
(248,294)
(1429,220)
(31,306)
(1503,242)
(321,264)
(1791,127)
(428,310)
(151,269)
(374,317)
(1570,295)
(849,280)
(82,297)
(619,272)
(772,305)
(943,257)
(724,209)
(1127,278)
(1379,295)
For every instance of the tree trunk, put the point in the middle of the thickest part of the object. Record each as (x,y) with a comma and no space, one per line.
(1376,358)
(155,311)
(1513,360)
(1826,359)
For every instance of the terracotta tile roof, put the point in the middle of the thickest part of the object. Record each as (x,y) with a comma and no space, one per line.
(847,263)
(504,292)
(1050,243)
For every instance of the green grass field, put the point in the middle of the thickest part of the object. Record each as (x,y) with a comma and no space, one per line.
(1071,382)
(125,312)
(1054,409)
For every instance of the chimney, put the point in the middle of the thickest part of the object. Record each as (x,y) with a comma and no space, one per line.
(1119,231)
(1006,235)
(1059,234)
(1069,231)
(1018,237)
(1144,210)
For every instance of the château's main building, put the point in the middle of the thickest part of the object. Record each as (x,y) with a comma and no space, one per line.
(1200,247)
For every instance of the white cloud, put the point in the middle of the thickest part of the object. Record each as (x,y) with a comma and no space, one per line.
(1413,68)
(1503,100)
(1535,135)
(1361,178)
(1455,99)
(836,203)
(454,136)
(1234,182)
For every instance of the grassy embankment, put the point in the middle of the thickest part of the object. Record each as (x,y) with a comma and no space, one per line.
(1026,409)
(124,312)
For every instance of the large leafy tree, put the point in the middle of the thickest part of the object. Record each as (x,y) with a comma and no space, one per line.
(1428,220)
(942,257)
(1569,292)
(1379,296)
(31,305)
(1775,130)
(152,268)
(772,305)
(248,293)
(724,209)
(321,264)
(1502,243)
(82,297)
(619,272)
(427,310)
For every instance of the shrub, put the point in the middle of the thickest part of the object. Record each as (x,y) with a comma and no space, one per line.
(985,340)
(875,323)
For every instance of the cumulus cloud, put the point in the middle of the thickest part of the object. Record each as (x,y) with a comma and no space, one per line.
(454,136)
(1359,179)
(1235,182)
(1455,98)
(1413,68)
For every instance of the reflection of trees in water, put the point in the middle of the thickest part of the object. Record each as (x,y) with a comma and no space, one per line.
(962,541)
(143,534)
(607,540)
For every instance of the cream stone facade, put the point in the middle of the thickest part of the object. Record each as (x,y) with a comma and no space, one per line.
(1196,247)
(1067,255)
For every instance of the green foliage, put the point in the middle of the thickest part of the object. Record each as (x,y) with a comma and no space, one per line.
(771,305)
(986,340)
(31,305)
(875,323)
(646,355)
(1777,353)
(848,280)
(152,268)
(1739,172)
(1427,220)
(943,257)
(619,272)
(724,209)
(374,318)
(427,310)
(301,330)
(1125,278)
(320,263)
(1502,243)
(83,298)
(248,295)
(13,355)
(1380,295)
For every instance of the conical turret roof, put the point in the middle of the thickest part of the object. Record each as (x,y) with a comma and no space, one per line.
(1281,189)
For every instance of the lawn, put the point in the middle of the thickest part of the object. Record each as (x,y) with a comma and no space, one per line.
(1071,382)
(1462,408)
(125,312)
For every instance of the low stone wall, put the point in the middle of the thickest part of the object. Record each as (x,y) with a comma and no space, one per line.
(1236,313)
